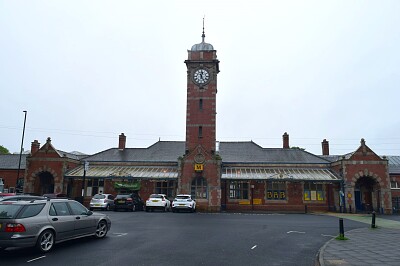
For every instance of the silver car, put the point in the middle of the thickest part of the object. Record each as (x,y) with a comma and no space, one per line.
(42,223)
(102,201)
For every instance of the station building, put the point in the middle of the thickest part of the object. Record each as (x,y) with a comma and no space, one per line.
(222,176)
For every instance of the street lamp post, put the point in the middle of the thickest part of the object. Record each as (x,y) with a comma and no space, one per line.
(20,153)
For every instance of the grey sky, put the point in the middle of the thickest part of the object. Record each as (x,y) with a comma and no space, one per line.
(88,70)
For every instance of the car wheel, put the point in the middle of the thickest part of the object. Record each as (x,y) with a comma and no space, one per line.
(101,230)
(45,241)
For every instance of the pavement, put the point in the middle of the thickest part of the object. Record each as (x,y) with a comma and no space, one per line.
(364,246)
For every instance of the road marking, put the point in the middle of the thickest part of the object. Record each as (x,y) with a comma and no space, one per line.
(36,259)
(295,232)
(120,234)
(254,247)
(327,235)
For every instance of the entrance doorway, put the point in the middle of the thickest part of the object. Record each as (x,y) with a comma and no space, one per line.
(363,194)
(45,184)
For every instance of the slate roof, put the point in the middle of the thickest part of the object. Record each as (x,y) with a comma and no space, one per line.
(250,152)
(161,151)
(394,164)
(10,161)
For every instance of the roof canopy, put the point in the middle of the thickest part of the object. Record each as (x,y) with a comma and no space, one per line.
(279,174)
(125,172)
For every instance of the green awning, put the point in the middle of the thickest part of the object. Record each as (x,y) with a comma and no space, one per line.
(127,185)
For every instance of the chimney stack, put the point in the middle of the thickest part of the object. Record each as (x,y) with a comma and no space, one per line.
(286,141)
(122,141)
(35,145)
(325,147)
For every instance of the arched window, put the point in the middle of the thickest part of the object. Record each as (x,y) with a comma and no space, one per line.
(199,188)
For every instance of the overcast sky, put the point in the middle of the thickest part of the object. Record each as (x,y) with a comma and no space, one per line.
(87,71)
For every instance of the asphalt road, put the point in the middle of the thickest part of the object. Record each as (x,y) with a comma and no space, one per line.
(157,238)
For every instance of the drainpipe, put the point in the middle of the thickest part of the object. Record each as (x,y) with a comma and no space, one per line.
(343,191)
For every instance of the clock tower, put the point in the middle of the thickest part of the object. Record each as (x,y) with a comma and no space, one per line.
(200,174)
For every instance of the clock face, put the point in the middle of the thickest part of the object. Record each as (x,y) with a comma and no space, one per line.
(201,76)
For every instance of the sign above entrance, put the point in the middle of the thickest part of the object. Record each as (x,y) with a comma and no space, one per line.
(198,167)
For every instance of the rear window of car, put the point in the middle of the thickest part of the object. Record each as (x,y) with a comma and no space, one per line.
(9,211)
(156,196)
(31,210)
(183,197)
(122,196)
(98,196)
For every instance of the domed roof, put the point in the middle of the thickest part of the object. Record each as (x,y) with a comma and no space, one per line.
(203,46)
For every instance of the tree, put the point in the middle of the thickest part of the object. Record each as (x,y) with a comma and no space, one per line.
(298,148)
(4,150)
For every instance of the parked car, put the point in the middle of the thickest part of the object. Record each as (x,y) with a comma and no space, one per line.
(6,194)
(55,196)
(102,201)
(158,201)
(183,202)
(22,197)
(43,223)
(131,202)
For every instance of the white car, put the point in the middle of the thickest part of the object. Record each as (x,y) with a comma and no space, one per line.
(158,201)
(183,202)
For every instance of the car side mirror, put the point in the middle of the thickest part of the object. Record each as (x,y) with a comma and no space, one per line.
(89,213)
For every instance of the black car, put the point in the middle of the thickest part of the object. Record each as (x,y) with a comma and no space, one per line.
(131,202)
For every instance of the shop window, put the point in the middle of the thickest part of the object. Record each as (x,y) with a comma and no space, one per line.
(166,187)
(201,104)
(200,131)
(276,190)
(199,188)
(313,192)
(394,184)
(94,186)
(238,190)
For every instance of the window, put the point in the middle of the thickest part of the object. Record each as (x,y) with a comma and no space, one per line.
(394,184)
(31,210)
(77,208)
(201,104)
(94,186)
(199,188)
(276,190)
(165,187)
(238,190)
(59,209)
(200,131)
(314,192)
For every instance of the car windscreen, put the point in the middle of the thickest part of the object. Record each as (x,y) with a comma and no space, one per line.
(98,196)
(9,211)
(155,196)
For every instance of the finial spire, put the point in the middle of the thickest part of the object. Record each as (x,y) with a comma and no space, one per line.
(203,35)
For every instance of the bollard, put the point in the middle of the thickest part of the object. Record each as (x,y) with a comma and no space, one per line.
(341,228)
(373,220)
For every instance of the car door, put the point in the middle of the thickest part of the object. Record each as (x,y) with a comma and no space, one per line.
(84,223)
(61,219)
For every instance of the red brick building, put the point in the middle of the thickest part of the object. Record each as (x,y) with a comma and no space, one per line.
(231,176)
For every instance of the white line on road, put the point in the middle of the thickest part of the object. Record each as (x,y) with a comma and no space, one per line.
(254,247)
(327,235)
(120,234)
(36,259)
(296,232)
